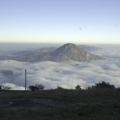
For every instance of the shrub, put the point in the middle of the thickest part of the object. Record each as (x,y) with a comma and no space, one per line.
(5,87)
(78,87)
(36,87)
(60,88)
(40,87)
(101,85)
(104,85)
(33,88)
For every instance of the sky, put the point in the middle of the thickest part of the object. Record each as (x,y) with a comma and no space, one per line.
(60,21)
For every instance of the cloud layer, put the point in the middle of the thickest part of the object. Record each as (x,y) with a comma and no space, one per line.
(67,74)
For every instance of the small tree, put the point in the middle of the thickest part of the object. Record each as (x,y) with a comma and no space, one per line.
(40,87)
(102,84)
(36,87)
(5,87)
(59,88)
(78,87)
(33,88)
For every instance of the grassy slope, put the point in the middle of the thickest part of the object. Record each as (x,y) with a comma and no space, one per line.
(88,104)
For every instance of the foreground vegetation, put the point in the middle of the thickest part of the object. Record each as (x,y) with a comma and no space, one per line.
(100,102)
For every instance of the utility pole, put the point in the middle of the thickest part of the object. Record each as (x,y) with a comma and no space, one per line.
(25,78)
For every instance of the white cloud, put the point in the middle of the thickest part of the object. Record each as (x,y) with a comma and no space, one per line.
(67,74)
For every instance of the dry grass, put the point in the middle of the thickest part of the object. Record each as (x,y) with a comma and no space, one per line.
(87,105)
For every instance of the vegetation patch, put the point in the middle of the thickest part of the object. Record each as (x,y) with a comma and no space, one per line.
(98,102)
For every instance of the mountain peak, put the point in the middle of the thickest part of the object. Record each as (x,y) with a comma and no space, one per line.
(66,52)
(71,51)
(69,45)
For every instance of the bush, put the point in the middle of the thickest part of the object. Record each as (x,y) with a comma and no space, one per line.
(78,87)
(33,88)
(59,88)
(36,87)
(5,87)
(101,85)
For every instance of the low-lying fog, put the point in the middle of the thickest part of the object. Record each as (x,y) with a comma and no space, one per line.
(67,74)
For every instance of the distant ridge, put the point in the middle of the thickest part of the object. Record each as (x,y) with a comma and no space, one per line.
(89,48)
(67,52)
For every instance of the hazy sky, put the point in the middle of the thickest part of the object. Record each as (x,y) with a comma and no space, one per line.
(60,21)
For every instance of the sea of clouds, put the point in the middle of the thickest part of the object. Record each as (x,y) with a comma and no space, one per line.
(65,74)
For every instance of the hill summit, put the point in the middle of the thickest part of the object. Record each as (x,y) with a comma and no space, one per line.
(67,52)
